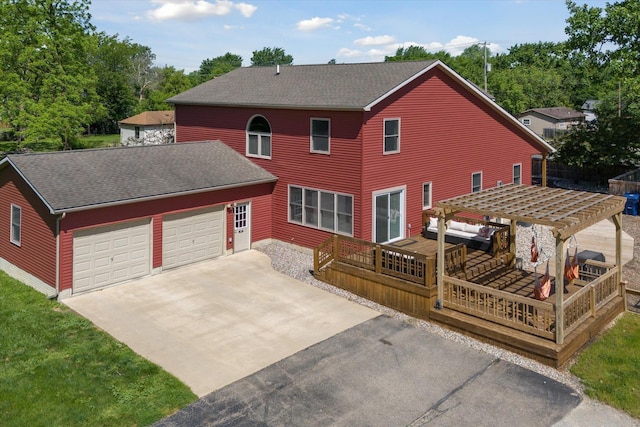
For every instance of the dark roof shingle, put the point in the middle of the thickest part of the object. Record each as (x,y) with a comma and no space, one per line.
(558,113)
(147,118)
(81,179)
(330,86)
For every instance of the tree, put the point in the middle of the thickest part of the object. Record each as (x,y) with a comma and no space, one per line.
(603,47)
(171,82)
(112,62)
(47,87)
(211,68)
(271,56)
(145,75)
(417,53)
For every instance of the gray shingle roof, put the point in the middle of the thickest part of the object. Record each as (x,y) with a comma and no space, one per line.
(559,113)
(331,86)
(81,179)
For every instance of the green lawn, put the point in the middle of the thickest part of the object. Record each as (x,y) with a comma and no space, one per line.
(610,367)
(93,141)
(57,369)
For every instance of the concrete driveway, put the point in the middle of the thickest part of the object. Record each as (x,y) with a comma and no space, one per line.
(215,322)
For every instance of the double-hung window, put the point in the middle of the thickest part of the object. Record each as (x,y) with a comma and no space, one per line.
(320,209)
(476,182)
(16,225)
(517,173)
(320,135)
(391,136)
(259,138)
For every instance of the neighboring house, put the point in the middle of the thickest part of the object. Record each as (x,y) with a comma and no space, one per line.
(148,128)
(84,219)
(359,149)
(551,122)
(589,110)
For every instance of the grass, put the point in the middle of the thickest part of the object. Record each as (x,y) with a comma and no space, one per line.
(610,367)
(56,368)
(93,141)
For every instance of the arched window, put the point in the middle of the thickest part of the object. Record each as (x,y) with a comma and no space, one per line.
(259,137)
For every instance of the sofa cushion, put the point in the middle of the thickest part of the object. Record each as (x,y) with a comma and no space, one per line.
(455,225)
(433,222)
(471,228)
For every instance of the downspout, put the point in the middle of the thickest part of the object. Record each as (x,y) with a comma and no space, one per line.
(58,219)
(544,170)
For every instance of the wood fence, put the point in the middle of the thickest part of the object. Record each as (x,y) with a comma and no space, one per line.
(626,183)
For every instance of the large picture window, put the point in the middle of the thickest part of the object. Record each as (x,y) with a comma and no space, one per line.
(391,136)
(320,135)
(16,225)
(320,209)
(259,138)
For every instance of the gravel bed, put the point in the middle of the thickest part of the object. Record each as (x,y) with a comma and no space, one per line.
(299,265)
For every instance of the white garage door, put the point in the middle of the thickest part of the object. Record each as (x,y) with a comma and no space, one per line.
(106,255)
(192,236)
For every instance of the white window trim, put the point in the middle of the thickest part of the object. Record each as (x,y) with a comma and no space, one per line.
(403,211)
(430,201)
(335,209)
(328,151)
(384,135)
(12,237)
(472,175)
(513,173)
(260,135)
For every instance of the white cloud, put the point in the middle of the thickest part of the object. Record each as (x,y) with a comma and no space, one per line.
(459,43)
(246,9)
(362,27)
(314,24)
(189,10)
(349,53)
(375,41)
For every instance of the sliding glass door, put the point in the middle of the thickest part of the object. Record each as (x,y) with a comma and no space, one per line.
(389,218)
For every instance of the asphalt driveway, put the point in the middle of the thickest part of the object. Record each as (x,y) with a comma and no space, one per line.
(215,322)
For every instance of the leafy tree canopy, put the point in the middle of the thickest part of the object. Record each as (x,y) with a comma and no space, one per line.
(271,56)
(214,67)
(47,86)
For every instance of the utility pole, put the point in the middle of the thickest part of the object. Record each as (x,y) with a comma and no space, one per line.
(485,66)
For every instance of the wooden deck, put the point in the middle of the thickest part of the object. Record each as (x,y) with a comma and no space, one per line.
(486,270)
(485,297)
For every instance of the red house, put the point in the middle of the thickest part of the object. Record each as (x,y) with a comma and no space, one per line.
(295,154)
(359,149)
(81,220)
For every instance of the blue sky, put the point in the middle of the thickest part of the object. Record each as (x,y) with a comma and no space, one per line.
(184,32)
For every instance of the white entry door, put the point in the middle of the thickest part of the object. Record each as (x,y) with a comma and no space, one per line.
(389,216)
(242,227)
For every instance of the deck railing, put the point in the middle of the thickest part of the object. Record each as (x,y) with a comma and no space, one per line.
(525,314)
(595,294)
(389,260)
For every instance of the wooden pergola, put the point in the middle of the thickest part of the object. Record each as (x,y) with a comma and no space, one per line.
(566,212)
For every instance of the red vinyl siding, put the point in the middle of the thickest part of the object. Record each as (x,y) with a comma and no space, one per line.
(156,209)
(291,160)
(446,134)
(37,251)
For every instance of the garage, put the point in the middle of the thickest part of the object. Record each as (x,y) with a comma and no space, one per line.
(192,236)
(111,254)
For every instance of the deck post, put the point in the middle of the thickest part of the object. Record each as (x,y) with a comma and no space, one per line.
(617,220)
(336,247)
(378,260)
(559,289)
(442,229)
(512,242)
